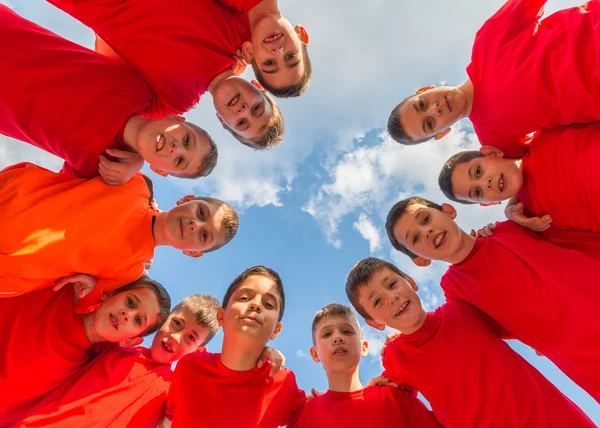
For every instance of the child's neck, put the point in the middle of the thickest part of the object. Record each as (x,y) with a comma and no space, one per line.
(417,324)
(468,242)
(347,381)
(467,89)
(90,331)
(264,8)
(158,229)
(212,86)
(240,354)
(132,129)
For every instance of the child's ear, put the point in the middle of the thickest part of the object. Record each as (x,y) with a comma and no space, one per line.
(258,85)
(412,282)
(489,204)
(425,89)
(421,261)
(130,343)
(194,254)
(491,151)
(185,199)
(158,171)
(220,315)
(221,121)
(373,324)
(442,134)
(449,210)
(176,117)
(276,331)
(314,355)
(302,34)
(364,348)
(247,52)
(200,349)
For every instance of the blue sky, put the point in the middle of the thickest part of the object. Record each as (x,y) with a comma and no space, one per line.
(314,206)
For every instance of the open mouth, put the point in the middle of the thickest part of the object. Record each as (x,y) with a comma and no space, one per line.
(439,240)
(160,142)
(501,182)
(272,37)
(448,103)
(402,308)
(113,321)
(340,352)
(167,347)
(234,100)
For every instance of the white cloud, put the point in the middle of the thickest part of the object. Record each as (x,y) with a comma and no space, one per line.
(14,151)
(301,354)
(368,231)
(376,340)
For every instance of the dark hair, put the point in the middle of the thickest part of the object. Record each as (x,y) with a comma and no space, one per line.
(210,160)
(294,90)
(445,178)
(257,271)
(361,274)
(332,310)
(162,297)
(204,307)
(396,130)
(394,215)
(273,133)
(230,220)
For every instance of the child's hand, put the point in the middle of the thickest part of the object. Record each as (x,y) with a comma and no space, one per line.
(240,65)
(313,393)
(485,231)
(382,381)
(537,224)
(388,339)
(83,284)
(276,358)
(117,173)
(148,264)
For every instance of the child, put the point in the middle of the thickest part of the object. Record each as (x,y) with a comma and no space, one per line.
(338,345)
(524,75)
(454,357)
(82,106)
(250,316)
(557,181)
(45,342)
(541,294)
(53,225)
(277,51)
(183,49)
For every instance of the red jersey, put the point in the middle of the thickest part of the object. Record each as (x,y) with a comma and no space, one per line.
(577,240)
(43,343)
(241,5)
(374,406)
(561,177)
(64,98)
(119,387)
(529,74)
(471,377)
(177,46)
(544,295)
(203,392)
(54,225)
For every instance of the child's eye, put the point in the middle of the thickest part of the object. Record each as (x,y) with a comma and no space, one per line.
(179,160)
(177,323)
(477,194)
(392,285)
(347,332)
(376,302)
(326,334)
(138,320)
(430,124)
(255,108)
(241,122)
(415,239)
(426,219)
(291,56)
(269,306)
(478,171)
(269,62)
(192,338)
(186,140)
(130,302)
(421,105)
(242,298)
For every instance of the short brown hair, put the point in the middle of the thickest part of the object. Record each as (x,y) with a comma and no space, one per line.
(396,212)
(257,271)
(445,178)
(162,297)
(273,134)
(333,310)
(294,90)
(204,307)
(360,275)
(230,220)
(209,162)
(396,130)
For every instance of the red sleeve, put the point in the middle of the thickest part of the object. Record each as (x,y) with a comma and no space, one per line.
(520,11)
(172,396)
(391,364)
(296,399)
(240,5)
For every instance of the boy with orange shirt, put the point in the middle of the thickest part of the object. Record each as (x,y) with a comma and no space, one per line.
(550,66)
(250,316)
(53,225)
(338,345)
(454,357)
(539,293)
(87,109)
(45,341)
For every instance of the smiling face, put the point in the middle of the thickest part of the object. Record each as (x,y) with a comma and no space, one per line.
(487,179)
(173,146)
(242,107)
(432,111)
(391,300)
(178,336)
(126,315)
(338,343)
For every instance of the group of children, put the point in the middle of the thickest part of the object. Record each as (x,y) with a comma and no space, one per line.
(76,299)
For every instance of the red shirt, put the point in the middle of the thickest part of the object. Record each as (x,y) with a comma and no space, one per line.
(374,406)
(542,294)
(43,343)
(241,5)
(177,46)
(472,378)
(577,240)
(119,387)
(53,225)
(561,177)
(530,74)
(205,393)
(63,98)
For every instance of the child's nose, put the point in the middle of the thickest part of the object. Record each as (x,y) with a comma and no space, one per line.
(338,339)
(434,109)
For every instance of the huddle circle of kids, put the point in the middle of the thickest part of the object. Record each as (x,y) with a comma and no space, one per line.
(76,294)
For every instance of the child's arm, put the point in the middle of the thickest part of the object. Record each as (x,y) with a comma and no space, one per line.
(119,172)
(82,283)
(514,212)
(484,232)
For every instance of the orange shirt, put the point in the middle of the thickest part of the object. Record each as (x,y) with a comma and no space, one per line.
(53,225)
